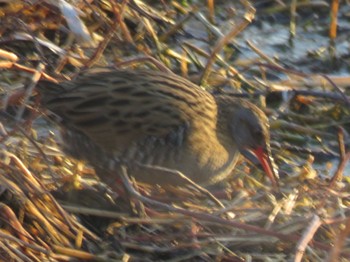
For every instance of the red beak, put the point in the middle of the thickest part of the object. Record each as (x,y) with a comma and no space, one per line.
(266,162)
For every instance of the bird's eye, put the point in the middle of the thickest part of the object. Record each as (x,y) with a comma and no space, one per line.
(258,134)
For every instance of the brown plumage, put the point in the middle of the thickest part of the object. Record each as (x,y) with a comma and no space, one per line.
(153,118)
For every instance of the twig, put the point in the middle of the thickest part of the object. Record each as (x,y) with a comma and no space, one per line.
(8,55)
(11,219)
(10,65)
(75,253)
(260,53)
(102,46)
(150,59)
(33,246)
(339,243)
(209,217)
(249,16)
(186,180)
(307,237)
(329,80)
(344,158)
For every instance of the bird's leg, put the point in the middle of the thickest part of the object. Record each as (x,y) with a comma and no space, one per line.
(186,180)
(136,206)
(139,207)
(111,178)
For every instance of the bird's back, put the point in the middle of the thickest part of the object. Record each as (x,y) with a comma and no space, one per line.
(149,117)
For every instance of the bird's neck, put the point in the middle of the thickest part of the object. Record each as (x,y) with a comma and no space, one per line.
(213,142)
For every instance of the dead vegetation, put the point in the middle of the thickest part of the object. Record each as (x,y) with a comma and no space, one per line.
(52,208)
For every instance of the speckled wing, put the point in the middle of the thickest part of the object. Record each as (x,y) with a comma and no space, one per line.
(116,107)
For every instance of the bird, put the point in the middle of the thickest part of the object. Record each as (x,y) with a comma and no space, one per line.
(153,121)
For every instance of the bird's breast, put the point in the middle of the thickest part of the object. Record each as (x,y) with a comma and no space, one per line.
(201,158)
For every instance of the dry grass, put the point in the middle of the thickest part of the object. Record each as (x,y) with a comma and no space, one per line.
(52,208)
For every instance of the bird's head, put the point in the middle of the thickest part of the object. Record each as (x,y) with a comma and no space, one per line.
(250,130)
